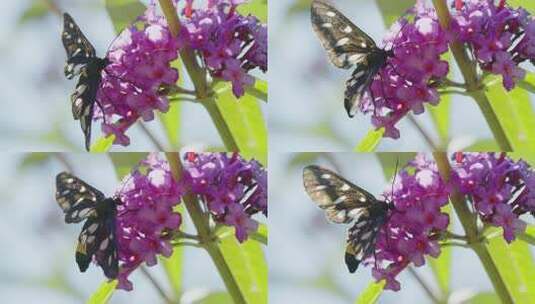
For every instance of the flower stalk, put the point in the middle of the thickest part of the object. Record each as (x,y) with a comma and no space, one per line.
(473,83)
(204,233)
(198,77)
(468,221)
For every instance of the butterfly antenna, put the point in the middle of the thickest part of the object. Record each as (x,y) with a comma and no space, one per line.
(394,178)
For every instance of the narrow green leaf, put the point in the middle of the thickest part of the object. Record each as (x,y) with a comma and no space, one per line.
(392,10)
(441,266)
(516,267)
(248,266)
(246,122)
(36,10)
(370,141)
(261,235)
(103,293)
(103,144)
(255,7)
(173,269)
(171,119)
(528,83)
(529,5)
(216,298)
(125,162)
(371,294)
(124,12)
(259,90)
(515,114)
(484,145)
(485,298)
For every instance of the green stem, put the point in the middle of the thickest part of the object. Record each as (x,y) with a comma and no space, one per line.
(470,227)
(198,77)
(205,236)
(469,72)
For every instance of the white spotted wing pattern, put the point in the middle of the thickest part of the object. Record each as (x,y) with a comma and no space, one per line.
(348,46)
(80,201)
(346,203)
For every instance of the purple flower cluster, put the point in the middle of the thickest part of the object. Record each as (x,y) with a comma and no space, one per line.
(231,44)
(499,188)
(500,37)
(407,80)
(414,223)
(232,188)
(139,64)
(148,195)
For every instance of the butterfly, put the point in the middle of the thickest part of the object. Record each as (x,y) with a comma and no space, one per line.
(348,46)
(346,203)
(82,60)
(80,201)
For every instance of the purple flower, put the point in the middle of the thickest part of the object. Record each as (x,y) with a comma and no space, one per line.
(416,219)
(148,195)
(408,79)
(231,45)
(140,61)
(232,188)
(499,188)
(491,30)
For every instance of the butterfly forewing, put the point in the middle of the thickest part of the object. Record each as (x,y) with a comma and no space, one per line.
(342,200)
(346,44)
(78,48)
(76,198)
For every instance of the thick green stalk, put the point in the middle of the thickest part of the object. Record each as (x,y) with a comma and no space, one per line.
(205,236)
(198,77)
(470,227)
(469,72)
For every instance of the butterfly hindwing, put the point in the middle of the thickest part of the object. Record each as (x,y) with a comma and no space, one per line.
(76,198)
(346,44)
(361,238)
(342,200)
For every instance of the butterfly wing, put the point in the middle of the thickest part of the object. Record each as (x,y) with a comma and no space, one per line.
(76,198)
(342,200)
(79,49)
(83,102)
(357,85)
(361,238)
(98,239)
(346,44)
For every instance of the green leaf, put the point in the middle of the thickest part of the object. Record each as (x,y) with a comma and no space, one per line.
(173,269)
(484,146)
(248,266)
(485,298)
(388,162)
(216,298)
(245,121)
(34,160)
(255,7)
(261,235)
(124,12)
(103,293)
(441,265)
(516,267)
(371,294)
(392,10)
(529,5)
(528,83)
(125,162)
(103,144)
(259,90)
(37,10)
(370,141)
(171,119)
(515,115)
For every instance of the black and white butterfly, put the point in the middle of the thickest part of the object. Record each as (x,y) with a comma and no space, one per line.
(346,203)
(82,60)
(348,46)
(97,241)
